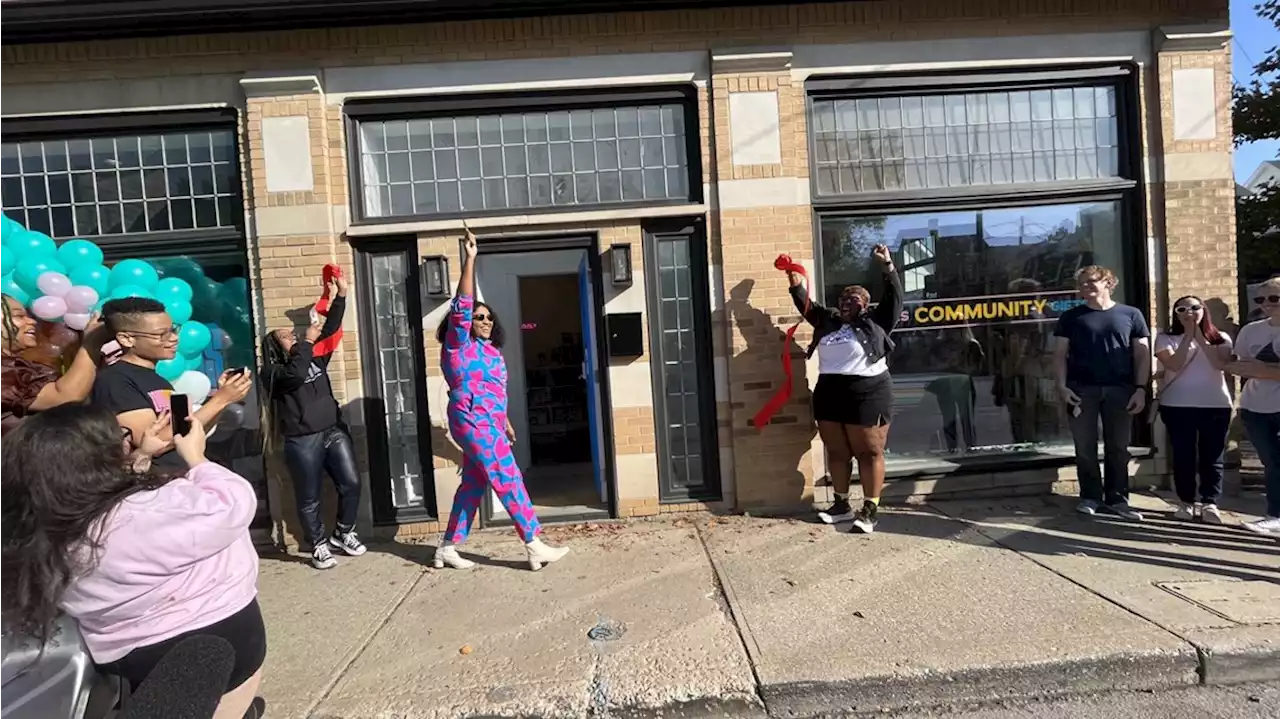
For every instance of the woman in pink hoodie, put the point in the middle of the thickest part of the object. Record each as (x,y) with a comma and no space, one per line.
(140,560)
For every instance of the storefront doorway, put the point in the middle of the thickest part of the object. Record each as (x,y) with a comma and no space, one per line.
(550,306)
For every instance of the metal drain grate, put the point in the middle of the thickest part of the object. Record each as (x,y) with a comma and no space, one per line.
(606,632)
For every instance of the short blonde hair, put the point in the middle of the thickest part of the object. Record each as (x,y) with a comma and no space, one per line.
(1271,284)
(1097,272)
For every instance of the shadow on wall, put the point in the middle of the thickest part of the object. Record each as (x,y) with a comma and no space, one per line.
(768,462)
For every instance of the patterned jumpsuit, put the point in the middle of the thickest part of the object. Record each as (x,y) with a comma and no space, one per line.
(477,377)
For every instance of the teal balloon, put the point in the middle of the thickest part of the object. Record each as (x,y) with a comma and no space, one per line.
(195,363)
(11,288)
(172,369)
(79,253)
(95,276)
(9,229)
(134,272)
(179,312)
(29,243)
(193,337)
(31,266)
(124,291)
(173,290)
(8,260)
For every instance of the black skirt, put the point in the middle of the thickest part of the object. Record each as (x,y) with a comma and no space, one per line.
(852,399)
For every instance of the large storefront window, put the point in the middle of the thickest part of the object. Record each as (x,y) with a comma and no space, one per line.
(433,159)
(991,190)
(972,369)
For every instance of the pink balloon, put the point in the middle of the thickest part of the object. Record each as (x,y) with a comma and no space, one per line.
(76,320)
(49,308)
(80,299)
(53,284)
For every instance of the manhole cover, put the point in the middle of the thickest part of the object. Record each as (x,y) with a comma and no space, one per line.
(1245,602)
(606,632)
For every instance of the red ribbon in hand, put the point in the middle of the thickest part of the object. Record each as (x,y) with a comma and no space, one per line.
(779,398)
(330,343)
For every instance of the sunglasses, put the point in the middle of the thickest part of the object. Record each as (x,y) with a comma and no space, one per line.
(1273,299)
(162,334)
(1187,308)
(482,318)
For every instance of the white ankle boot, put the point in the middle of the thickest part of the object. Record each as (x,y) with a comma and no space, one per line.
(447,556)
(541,553)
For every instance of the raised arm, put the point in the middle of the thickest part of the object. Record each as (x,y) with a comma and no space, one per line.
(337,308)
(464,299)
(887,313)
(77,382)
(810,310)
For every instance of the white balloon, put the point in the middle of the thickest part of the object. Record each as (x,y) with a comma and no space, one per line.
(195,385)
(76,321)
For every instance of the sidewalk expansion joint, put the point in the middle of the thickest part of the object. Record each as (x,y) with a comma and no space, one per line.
(736,617)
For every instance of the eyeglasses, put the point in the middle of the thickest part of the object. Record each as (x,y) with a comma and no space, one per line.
(482,318)
(162,334)
(1187,308)
(1273,299)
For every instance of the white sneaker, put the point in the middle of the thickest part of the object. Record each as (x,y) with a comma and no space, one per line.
(1087,506)
(541,553)
(1185,512)
(447,556)
(1269,527)
(322,558)
(1209,514)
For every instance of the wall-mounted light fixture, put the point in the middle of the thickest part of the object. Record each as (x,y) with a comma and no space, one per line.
(435,276)
(620,264)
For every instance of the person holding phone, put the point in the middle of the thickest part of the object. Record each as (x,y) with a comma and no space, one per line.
(316,439)
(142,559)
(1102,359)
(133,390)
(1257,361)
(1195,406)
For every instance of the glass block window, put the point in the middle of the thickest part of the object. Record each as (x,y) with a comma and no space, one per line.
(396,375)
(122,185)
(959,140)
(681,413)
(528,160)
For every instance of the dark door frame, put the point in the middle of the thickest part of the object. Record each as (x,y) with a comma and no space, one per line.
(374,403)
(499,244)
(695,230)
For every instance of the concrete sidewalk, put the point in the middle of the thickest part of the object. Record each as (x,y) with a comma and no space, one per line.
(738,616)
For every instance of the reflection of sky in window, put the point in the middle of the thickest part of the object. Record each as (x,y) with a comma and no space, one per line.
(1000,226)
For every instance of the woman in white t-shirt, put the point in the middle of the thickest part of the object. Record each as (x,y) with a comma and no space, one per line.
(1195,405)
(1258,363)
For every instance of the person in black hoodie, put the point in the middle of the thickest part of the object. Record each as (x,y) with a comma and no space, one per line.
(315,437)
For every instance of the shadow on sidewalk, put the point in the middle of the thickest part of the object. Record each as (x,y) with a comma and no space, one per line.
(1049,527)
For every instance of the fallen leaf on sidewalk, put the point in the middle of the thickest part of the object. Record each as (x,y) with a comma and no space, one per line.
(859,615)
(465,650)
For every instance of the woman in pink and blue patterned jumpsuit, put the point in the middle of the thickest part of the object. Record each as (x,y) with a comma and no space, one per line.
(471,355)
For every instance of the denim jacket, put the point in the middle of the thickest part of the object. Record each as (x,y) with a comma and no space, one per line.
(872,329)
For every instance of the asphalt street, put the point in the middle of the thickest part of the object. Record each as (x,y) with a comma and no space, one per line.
(1248,701)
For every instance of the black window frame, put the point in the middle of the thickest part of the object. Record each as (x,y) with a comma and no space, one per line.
(373,403)
(356,111)
(695,231)
(1128,188)
(197,243)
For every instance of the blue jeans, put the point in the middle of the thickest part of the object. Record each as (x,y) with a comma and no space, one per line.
(1110,486)
(1264,433)
(1197,441)
(309,456)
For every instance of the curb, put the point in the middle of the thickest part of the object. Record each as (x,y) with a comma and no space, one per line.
(1239,666)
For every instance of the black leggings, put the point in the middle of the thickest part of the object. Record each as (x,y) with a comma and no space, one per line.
(309,456)
(244,630)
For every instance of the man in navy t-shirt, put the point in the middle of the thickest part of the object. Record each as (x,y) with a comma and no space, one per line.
(1102,361)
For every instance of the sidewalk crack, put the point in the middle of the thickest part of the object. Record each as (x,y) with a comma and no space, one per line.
(728,602)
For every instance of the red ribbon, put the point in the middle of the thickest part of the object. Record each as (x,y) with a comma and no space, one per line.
(780,398)
(330,343)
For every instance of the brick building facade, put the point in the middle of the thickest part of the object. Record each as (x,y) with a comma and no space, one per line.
(988,143)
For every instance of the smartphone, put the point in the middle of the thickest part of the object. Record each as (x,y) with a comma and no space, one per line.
(239,371)
(180,409)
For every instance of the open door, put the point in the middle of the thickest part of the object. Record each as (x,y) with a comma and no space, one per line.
(591,374)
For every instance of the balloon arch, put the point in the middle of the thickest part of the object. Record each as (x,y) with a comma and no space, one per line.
(63,285)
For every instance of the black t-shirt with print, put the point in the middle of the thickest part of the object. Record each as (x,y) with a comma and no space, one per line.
(124,387)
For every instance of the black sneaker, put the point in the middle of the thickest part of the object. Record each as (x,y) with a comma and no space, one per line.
(348,543)
(839,511)
(257,709)
(865,520)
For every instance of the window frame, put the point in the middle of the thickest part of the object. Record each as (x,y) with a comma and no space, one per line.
(694,230)
(1128,189)
(373,402)
(194,242)
(357,111)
